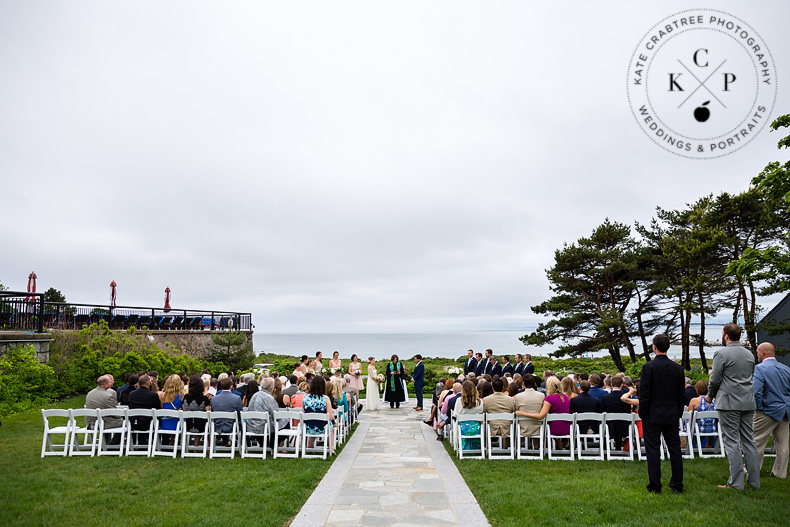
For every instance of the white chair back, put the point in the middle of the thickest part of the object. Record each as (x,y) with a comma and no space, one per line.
(48,446)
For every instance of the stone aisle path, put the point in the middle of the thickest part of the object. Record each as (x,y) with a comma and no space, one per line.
(392,472)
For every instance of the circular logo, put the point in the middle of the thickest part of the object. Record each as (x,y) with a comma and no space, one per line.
(702,83)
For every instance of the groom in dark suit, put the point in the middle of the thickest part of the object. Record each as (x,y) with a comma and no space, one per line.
(660,407)
(418,376)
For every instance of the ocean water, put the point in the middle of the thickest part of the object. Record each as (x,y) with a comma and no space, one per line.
(449,345)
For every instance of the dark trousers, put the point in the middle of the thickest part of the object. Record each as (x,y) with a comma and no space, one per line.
(418,393)
(653,433)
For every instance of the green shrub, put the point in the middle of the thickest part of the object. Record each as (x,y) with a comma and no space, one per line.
(80,357)
(25,383)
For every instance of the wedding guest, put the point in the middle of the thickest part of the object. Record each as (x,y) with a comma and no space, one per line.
(172,399)
(196,401)
(556,402)
(498,403)
(469,403)
(529,401)
(283,401)
(700,404)
(317,402)
(252,389)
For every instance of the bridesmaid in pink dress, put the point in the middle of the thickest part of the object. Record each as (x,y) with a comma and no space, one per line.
(355,370)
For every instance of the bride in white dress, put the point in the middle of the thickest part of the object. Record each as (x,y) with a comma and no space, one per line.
(372,394)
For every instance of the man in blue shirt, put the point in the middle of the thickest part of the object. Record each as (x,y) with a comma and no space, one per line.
(772,398)
(596,387)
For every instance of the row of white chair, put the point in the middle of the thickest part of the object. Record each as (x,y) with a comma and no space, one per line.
(79,439)
(598,444)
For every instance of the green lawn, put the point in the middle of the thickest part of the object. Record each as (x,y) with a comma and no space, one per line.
(143,491)
(613,493)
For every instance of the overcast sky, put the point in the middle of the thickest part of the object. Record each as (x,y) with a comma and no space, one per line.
(333,166)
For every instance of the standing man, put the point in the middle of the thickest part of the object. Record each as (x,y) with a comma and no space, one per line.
(519,366)
(660,406)
(507,367)
(469,365)
(772,399)
(418,377)
(481,364)
(493,367)
(731,385)
(528,367)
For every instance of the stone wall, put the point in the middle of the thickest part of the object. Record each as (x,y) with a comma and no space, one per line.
(40,341)
(194,343)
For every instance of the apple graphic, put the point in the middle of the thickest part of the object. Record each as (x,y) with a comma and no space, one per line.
(702,114)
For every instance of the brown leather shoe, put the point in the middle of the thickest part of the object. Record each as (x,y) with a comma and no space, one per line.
(418,408)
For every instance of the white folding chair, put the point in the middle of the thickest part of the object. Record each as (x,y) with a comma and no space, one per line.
(558,453)
(89,435)
(48,446)
(461,437)
(248,437)
(194,443)
(139,441)
(623,454)
(103,447)
(324,437)
(340,431)
(589,445)
(686,430)
(217,449)
(500,451)
(524,451)
(162,448)
(292,437)
(718,449)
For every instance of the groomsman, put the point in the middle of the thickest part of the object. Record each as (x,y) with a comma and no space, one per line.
(493,367)
(418,376)
(470,364)
(528,366)
(519,367)
(507,367)
(481,364)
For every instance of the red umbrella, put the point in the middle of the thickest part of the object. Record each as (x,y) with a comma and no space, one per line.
(31,284)
(167,300)
(112,293)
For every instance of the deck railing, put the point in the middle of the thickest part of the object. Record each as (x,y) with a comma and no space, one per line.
(20,311)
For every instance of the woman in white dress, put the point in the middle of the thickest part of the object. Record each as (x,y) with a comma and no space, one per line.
(372,395)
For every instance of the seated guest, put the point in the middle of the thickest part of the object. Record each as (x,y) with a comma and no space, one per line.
(283,401)
(103,397)
(611,403)
(596,387)
(293,386)
(250,389)
(700,404)
(144,398)
(172,399)
(585,403)
(317,402)
(123,388)
(689,392)
(512,389)
(555,402)
(568,386)
(241,387)
(132,381)
(448,406)
(529,401)
(469,403)
(225,401)
(263,401)
(499,403)
(440,417)
(196,401)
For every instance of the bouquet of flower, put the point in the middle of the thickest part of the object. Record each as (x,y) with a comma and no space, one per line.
(358,373)
(333,370)
(454,370)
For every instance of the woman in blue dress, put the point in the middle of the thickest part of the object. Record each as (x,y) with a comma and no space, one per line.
(317,402)
(706,425)
(172,398)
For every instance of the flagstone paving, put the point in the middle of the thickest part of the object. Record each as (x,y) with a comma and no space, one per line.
(392,472)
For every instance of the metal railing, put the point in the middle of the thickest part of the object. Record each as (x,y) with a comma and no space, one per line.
(20,311)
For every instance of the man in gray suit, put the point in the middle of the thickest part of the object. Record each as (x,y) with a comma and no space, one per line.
(101,397)
(772,398)
(732,387)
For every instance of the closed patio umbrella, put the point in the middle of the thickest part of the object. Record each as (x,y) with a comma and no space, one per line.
(113,285)
(167,300)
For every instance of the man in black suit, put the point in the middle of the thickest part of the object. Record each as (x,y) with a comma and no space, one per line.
(660,407)
(507,367)
(689,392)
(611,403)
(585,402)
(471,363)
(519,366)
(493,367)
(144,398)
(481,364)
(528,366)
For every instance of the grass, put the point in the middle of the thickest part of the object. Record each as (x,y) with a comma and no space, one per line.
(601,493)
(144,491)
